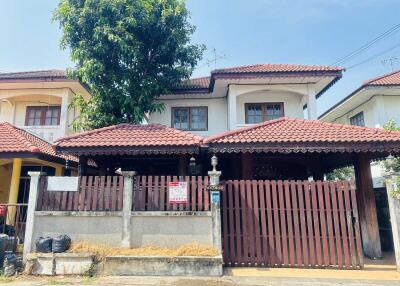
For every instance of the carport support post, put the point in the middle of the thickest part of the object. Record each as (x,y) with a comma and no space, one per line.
(394,209)
(367,207)
(129,178)
(215,189)
(30,216)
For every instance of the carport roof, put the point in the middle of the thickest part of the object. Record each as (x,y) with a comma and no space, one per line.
(130,139)
(290,135)
(16,142)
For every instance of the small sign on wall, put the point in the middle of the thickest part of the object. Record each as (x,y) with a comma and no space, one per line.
(178,192)
(62,184)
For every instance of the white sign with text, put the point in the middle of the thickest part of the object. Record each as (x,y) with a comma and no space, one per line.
(178,192)
(62,184)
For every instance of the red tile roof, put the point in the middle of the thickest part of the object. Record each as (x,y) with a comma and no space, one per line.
(313,135)
(16,140)
(29,75)
(148,138)
(272,68)
(392,78)
(195,83)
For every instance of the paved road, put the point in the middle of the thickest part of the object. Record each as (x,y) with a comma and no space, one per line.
(182,281)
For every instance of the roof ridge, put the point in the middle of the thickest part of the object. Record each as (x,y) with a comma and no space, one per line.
(274,64)
(94,131)
(32,71)
(369,81)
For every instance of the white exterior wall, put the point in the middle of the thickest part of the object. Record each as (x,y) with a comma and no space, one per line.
(217,119)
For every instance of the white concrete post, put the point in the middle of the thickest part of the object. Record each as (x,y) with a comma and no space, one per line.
(312,104)
(30,217)
(127,207)
(394,209)
(231,110)
(64,115)
(215,189)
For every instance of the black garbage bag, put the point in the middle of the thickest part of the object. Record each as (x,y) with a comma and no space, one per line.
(61,243)
(44,244)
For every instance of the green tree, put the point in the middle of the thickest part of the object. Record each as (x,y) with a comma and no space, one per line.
(127,52)
(344,173)
(393,163)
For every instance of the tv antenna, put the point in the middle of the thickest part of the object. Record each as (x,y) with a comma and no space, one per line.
(216,56)
(390,61)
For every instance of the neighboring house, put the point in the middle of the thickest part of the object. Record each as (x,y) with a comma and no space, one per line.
(37,101)
(373,104)
(32,105)
(236,97)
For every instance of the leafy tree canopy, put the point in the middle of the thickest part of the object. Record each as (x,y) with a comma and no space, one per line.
(127,52)
(394,163)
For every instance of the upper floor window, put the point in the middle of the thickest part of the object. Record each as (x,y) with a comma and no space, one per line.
(190,118)
(358,119)
(259,112)
(42,115)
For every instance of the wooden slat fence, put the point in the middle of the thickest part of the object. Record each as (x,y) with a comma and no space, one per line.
(95,193)
(291,223)
(151,194)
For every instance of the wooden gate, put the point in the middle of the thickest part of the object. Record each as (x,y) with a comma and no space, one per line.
(291,223)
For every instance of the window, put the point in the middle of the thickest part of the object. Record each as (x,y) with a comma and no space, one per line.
(357,119)
(42,115)
(190,118)
(259,112)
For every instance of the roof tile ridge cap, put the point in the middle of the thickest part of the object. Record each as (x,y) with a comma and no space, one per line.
(84,133)
(239,130)
(236,67)
(32,71)
(21,134)
(370,81)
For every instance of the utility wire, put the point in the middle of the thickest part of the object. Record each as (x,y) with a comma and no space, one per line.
(364,47)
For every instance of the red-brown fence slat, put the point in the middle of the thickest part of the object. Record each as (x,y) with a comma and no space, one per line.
(229,203)
(322,218)
(281,196)
(193,190)
(163,190)
(168,205)
(342,217)
(256,218)
(303,224)
(107,193)
(244,236)
(277,235)
(174,205)
(82,193)
(227,251)
(156,192)
(310,228)
(356,224)
(270,234)
(95,193)
(250,222)
(264,237)
(199,193)
(149,193)
(238,229)
(331,238)
(317,234)
(88,203)
(39,202)
(121,192)
(142,193)
(206,194)
(297,234)
(289,222)
(336,223)
(352,246)
(114,195)
(101,192)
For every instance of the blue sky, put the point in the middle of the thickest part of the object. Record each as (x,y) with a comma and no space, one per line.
(242,32)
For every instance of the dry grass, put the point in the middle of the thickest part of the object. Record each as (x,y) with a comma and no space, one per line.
(101,250)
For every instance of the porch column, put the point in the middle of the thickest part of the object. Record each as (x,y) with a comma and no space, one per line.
(367,207)
(14,188)
(247,166)
(82,166)
(59,171)
(311,104)
(182,169)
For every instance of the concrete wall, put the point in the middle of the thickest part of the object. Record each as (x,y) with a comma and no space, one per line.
(171,229)
(95,227)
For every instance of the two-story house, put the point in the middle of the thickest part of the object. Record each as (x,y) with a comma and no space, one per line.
(373,104)
(240,96)
(33,113)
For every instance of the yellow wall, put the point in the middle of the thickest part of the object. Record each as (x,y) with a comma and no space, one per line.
(5,180)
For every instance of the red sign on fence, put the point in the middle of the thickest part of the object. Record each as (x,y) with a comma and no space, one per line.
(178,192)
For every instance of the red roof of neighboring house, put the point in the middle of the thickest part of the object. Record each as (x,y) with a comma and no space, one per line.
(16,140)
(392,78)
(273,68)
(292,135)
(29,75)
(195,83)
(132,139)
